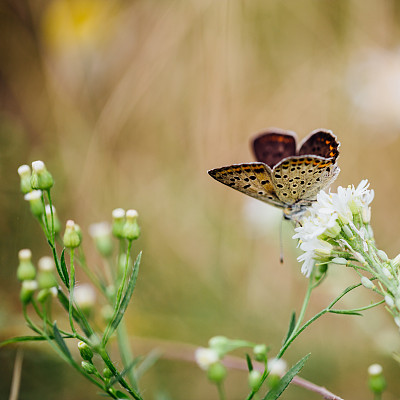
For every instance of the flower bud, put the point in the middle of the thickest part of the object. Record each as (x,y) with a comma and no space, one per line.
(101,234)
(35,202)
(26,271)
(277,367)
(387,273)
(260,352)
(376,381)
(359,257)
(46,278)
(86,351)
(389,301)
(216,372)
(24,171)
(366,215)
(367,283)
(205,357)
(131,230)
(57,223)
(118,222)
(346,229)
(27,290)
(41,178)
(339,260)
(220,344)
(85,297)
(43,295)
(254,379)
(107,373)
(88,367)
(333,231)
(71,236)
(382,255)
(395,262)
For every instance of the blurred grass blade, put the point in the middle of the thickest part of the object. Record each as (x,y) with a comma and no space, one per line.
(60,341)
(286,379)
(147,363)
(249,363)
(292,324)
(120,308)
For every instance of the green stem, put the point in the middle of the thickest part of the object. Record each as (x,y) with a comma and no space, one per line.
(71,290)
(125,352)
(52,217)
(221,391)
(47,230)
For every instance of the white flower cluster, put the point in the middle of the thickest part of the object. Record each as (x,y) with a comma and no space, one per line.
(346,210)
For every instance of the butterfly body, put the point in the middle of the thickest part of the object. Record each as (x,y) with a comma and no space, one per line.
(285,176)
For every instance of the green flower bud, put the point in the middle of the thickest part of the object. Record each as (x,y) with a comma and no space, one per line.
(376,381)
(71,236)
(35,202)
(24,171)
(260,352)
(27,290)
(347,231)
(107,373)
(88,367)
(118,222)
(43,295)
(131,230)
(46,277)
(321,271)
(339,261)
(254,379)
(26,271)
(57,223)
(41,178)
(101,234)
(86,351)
(216,372)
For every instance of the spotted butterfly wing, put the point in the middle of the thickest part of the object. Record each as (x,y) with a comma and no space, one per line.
(253,179)
(321,143)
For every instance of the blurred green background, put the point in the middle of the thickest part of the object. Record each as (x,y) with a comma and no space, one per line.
(129,103)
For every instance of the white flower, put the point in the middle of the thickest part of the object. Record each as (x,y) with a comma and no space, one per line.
(85,296)
(277,366)
(46,264)
(205,357)
(375,369)
(313,249)
(33,195)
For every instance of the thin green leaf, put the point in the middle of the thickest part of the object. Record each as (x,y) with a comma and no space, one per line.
(121,395)
(147,363)
(19,339)
(346,312)
(60,341)
(120,309)
(292,324)
(275,393)
(249,363)
(59,269)
(125,371)
(64,268)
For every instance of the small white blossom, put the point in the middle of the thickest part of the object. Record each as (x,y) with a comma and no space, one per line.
(277,366)
(46,264)
(85,296)
(375,369)
(100,229)
(205,357)
(33,195)
(38,166)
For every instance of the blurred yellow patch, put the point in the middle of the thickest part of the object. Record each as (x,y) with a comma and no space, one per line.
(70,23)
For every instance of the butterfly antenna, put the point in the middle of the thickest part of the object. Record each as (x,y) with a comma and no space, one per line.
(281,242)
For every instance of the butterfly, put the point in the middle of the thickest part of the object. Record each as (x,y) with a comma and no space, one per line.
(285,175)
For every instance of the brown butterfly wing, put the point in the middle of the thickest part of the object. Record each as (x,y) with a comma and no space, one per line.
(321,143)
(273,145)
(253,179)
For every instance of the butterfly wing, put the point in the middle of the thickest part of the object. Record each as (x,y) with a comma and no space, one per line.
(300,178)
(273,145)
(321,143)
(253,179)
